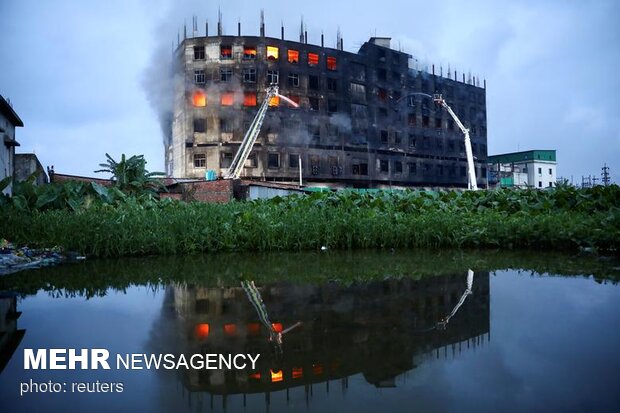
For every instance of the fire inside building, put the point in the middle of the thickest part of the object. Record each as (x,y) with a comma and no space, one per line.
(362,120)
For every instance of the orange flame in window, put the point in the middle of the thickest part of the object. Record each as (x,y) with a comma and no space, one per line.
(199,99)
(249,99)
(227,99)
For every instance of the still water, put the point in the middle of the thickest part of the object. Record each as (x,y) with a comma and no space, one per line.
(364,332)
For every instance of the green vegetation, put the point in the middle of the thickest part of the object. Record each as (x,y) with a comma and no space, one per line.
(131,184)
(565,218)
(130,175)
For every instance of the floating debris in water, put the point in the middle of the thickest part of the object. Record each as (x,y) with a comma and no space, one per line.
(16,259)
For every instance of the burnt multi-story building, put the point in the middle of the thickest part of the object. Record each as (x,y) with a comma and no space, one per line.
(362,120)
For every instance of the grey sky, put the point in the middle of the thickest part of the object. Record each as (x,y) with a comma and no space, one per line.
(74,70)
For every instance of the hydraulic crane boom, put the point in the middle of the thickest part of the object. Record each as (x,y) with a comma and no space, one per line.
(234,171)
(471,172)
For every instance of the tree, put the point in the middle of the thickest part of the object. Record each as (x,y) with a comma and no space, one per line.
(130,174)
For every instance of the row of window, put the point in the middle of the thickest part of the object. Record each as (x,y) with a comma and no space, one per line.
(272,53)
(358,166)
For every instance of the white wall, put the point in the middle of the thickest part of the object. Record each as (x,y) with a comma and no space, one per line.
(539,176)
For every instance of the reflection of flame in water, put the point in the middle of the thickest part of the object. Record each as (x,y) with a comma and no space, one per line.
(199,98)
(202,330)
(343,328)
(277,376)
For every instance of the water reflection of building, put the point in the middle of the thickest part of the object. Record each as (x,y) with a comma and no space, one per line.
(10,335)
(378,329)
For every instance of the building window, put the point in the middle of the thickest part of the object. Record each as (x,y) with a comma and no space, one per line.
(272,53)
(411,119)
(412,141)
(550,171)
(227,158)
(359,168)
(273,160)
(413,168)
(398,167)
(272,77)
(550,184)
(358,88)
(440,170)
(331,63)
(332,84)
(463,171)
(200,125)
(226,125)
(293,160)
(249,75)
(383,112)
(539,171)
(438,123)
(199,77)
(293,56)
(332,105)
(384,136)
(252,161)
(225,52)
(199,53)
(226,74)
(397,139)
(540,184)
(199,98)
(249,52)
(381,55)
(411,101)
(382,93)
(384,165)
(381,74)
(315,164)
(227,99)
(293,79)
(313,82)
(427,168)
(313,102)
(425,121)
(313,59)
(200,160)
(249,99)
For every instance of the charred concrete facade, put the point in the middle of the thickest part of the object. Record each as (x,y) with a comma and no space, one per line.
(359,123)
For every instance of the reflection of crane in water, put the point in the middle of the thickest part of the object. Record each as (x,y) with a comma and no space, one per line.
(470,281)
(258,304)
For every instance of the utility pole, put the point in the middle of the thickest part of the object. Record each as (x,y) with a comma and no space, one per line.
(605,175)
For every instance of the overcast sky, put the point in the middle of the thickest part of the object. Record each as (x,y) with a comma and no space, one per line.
(75,70)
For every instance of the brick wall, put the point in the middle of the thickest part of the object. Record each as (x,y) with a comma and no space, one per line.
(220,191)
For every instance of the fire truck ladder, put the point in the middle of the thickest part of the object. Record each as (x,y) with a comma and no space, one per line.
(234,171)
(471,172)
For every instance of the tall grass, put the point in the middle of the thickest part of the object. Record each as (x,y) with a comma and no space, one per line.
(566,218)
